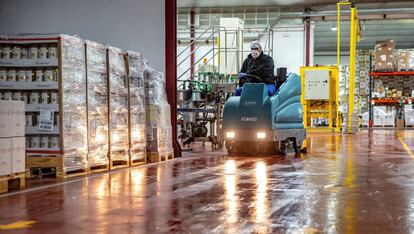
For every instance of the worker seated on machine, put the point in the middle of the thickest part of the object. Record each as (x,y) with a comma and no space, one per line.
(257,68)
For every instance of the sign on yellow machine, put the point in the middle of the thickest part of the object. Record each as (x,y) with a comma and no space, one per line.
(320,96)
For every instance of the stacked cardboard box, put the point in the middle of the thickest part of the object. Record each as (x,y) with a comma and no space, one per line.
(12,139)
(384,55)
(363,64)
(361,83)
(408,82)
(344,90)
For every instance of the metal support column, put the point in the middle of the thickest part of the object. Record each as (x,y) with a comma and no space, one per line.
(171,67)
(192,47)
(352,55)
(307,40)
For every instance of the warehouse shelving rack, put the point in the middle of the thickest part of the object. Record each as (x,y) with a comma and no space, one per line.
(396,102)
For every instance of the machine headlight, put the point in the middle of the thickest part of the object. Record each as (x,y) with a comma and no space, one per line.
(261,135)
(230,134)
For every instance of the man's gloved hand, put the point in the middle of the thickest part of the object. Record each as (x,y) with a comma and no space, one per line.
(241,75)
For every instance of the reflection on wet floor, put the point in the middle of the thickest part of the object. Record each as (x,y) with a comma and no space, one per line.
(360,183)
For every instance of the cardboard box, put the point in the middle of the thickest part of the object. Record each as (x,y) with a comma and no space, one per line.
(402,60)
(12,118)
(410,60)
(384,55)
(5,156)
(5,119)
(18,118)
(18,154)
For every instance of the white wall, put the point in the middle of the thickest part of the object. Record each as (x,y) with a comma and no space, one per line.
(289,47)
(129,24)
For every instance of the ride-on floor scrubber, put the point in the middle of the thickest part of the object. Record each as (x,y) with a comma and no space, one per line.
(255,123)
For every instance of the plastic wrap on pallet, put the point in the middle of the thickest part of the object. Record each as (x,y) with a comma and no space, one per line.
(159,130)
(73,92)
(118,105)
(97,104)
(384,116)
(365,119)
(137,105)
(409,115)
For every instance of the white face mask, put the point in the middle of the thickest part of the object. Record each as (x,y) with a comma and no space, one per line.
(255,53)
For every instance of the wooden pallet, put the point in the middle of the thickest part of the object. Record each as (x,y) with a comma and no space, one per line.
(384,126)
(136,162)
(12,181)
(140,161)
(99,168)
(158,157)
(117,164)
(53,164)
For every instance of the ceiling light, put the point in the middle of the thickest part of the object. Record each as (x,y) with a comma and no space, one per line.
(334,29)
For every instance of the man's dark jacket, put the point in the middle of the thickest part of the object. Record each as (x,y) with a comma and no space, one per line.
(263,67)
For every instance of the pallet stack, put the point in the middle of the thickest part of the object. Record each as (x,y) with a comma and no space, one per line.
(384,116)
(118,109)
(85,104)
(362,77)
(51,81)
(136,107)
(344,90)
(12,145)
(159,131)
(97,84)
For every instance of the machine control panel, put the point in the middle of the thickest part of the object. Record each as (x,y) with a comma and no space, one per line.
(317,85)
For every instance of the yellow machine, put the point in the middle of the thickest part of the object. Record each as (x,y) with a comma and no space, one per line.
(320,97)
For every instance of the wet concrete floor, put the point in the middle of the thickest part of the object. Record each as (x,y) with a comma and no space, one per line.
(360,183)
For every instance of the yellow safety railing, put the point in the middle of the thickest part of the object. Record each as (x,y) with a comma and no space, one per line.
(355,35)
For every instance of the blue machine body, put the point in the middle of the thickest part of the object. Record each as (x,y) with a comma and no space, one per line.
(279,116)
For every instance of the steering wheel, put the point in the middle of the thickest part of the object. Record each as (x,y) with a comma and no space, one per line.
(249,78)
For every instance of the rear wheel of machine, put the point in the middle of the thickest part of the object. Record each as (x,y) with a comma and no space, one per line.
(230,147)
(296,147)
(282,147)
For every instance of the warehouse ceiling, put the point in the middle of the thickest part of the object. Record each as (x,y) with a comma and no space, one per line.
(401,31)
(285,5)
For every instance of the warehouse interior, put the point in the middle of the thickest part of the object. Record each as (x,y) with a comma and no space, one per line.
(196,116)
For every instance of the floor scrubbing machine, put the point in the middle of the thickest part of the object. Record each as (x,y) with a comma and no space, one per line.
(256,123)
